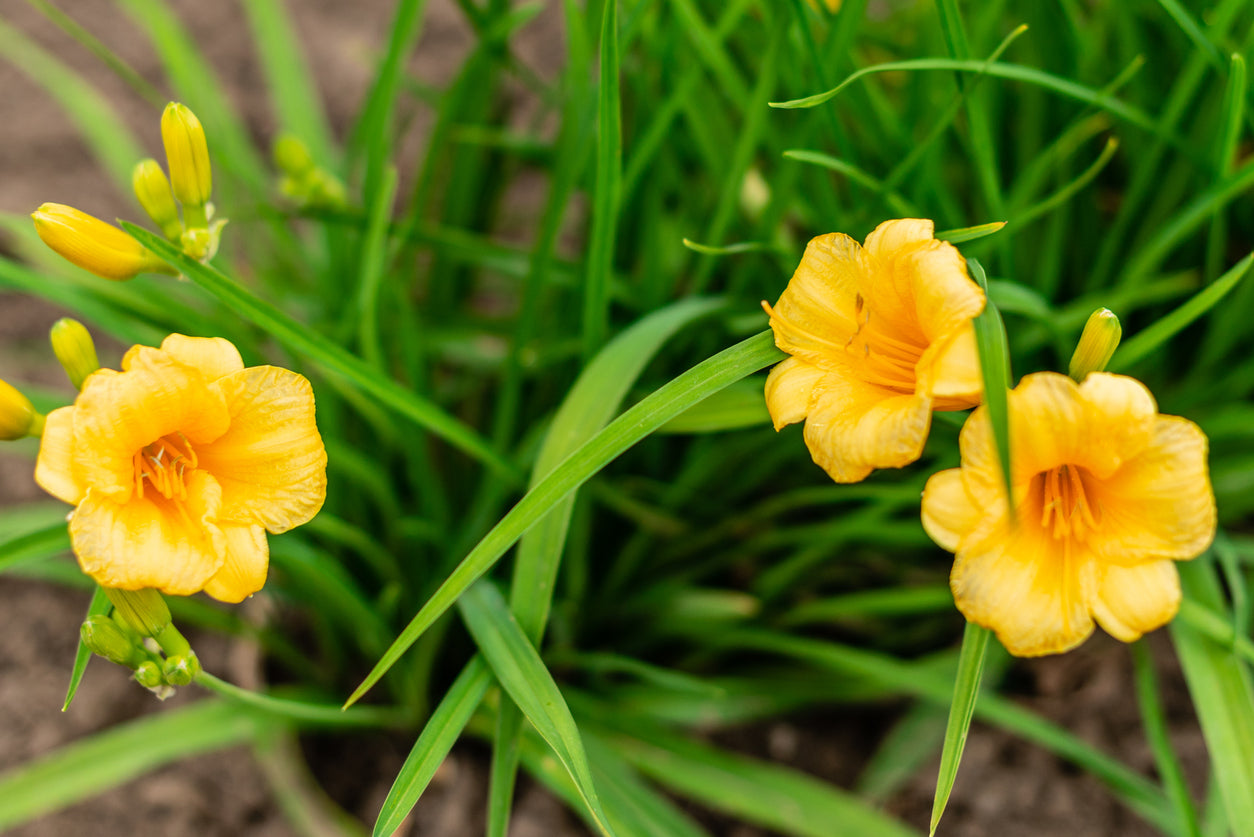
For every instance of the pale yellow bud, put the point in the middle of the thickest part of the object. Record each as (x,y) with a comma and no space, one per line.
(188,157)
(94,245)
(144,610)
(17,416)
(153,190)
(73,346)
(1097,344)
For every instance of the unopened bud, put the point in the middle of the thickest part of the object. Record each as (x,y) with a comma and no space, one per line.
(74,348)
(187,154)
(148,675)
(1097,344)
(94,245)
(180,669)
(152,188)
(106,640)
(18,417)
(144,610)
(292,157)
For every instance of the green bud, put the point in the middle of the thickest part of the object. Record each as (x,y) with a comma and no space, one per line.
(292,157)
(18,417)
(144,610)
(180,669)
(73,346)
(1097,344)
(105,640)
(152,188)
(148,675)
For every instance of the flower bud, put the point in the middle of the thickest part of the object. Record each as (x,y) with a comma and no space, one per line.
(144,610)
(106,640)
(94,245)
(188,157)
(180,669)
(1097,344)
(153,190)
(73,346)
(17,415)
(292,157)
(148,675)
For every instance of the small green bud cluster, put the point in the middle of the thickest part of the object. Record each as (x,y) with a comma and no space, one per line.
(138,634)
(301,180)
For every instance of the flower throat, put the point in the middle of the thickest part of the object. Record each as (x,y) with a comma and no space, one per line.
(165,463)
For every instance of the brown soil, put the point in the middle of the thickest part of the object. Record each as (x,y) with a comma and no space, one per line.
(1006,788)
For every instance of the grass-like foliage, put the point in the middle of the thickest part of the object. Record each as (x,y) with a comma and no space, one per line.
(558,518)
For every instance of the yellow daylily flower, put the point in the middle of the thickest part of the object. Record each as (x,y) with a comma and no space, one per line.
(179,464)
(880,336)
(1107,494)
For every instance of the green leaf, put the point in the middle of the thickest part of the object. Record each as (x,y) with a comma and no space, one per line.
(438,737)
(322,351)
(293,94)
(740,406)
(1154,720)
(779,798)
(1223,697)
(521,673)
(608,192)
(958,236)
(961,710)
(99,606)
(43,543)
(106,760)
(107,135)
(644,418)
(990,341)
(1149,339)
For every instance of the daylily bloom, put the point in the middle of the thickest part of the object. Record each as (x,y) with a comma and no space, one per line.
(179,464)
(1107,494)
(880,336)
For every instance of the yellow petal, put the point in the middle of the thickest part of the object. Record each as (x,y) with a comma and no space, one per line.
(54,469)
(1120,421)
(1158,504)
(118,413)
(946,298)
(271,462)
(854,427)
(949,371)
(1132,601)
(949,511)
(892,237)
(1025,586)
(244,570)
(214,357)
(788,390)
(818,311)
(151,541)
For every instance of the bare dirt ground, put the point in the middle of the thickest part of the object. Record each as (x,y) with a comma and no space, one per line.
(1006,788)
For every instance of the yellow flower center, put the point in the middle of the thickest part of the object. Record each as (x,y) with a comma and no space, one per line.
(165,464)
(1065,504)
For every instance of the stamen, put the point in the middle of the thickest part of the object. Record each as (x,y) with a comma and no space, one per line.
(165,464)
(1065,509)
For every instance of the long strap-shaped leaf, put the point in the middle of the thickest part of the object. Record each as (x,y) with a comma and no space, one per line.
(523,676)
(589,405)
(690,388)
(1223,694)
(438,737)
(318,349)
(108,759)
